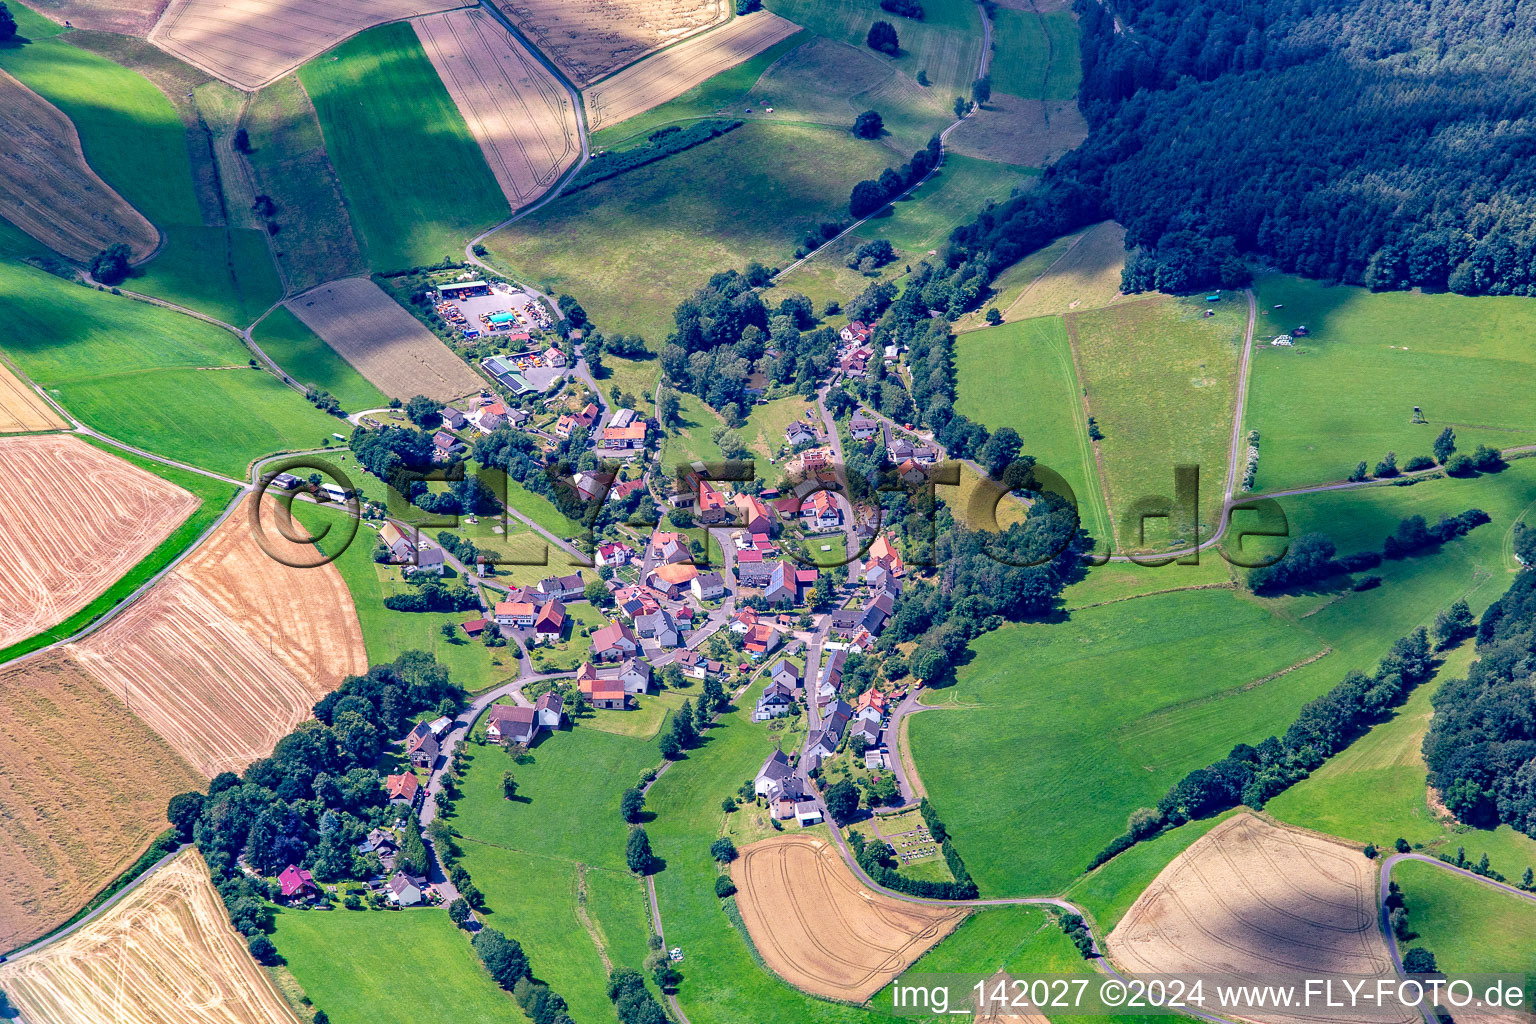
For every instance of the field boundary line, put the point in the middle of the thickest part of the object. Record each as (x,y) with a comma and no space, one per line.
(1211,698)
(1229,585)
(701,31)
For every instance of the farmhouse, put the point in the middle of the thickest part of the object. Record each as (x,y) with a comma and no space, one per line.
(754,574)
(550,708)
(876,612)
(707,586)
(669,547)
(754,514)
(613,642)
(636,601)
(508,723)
(428,559)
(402,789)
(421,746)
(564,588)
(550,620)
(400,547)
(515,614)
(774,777)
(673,579)
(404,890)
(714,506)
(601,692)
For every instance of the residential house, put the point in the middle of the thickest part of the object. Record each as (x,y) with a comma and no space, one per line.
(776,700)
(599,691)
(762,639)
(813,459)
(592,486)
(660,627)
(455,419)
(421,746)
(614,554)
(707,586)
(635,675)
(800,433)
(753,514)
(748,556)
(636,601)
(613,642)
(490,417)
(845,621)
(871,700)
(836,719)
(624,488)
(622,442)
(565,588)
(876,612)
(925,455)
(775,776)
(714,506)
(821,512)
(856,363)
(404,890)
(911,472)
(862,427)
(509,723)
(884,554)
(787,507)
(867,729)
(696,666)
(673,578)
(297,883)
(831,678)
(786,674)
(550,620)
(402,789)
(667,546)
(515,614)
(401,549)
(550,708)
(782,586)
(743,620)
(428,559)
(901,450)
(446,447)
(554,357)
(856,333)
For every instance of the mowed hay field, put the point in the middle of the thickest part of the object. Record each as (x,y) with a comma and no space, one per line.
(76,519)
(48,190)
(669,74)
(1085,275)
(231,649)
(946,44)
(21,409)
(1470,926)
(820,929)
(248,43)
(517,111)
(1011,130)
(165,954)
(1253,898)
(1346,391)
(591,38)
(83,793)
(1161,380)
(383,342)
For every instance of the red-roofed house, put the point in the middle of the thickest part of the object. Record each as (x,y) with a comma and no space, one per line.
(856,333)
(402,789)
(551,619)
(517,614)
(622,442)
(884,554)
(754,514)
(613,642)
(297,883)
(761,638)
(820,511)
(872,698)
(507,723)
(714,506)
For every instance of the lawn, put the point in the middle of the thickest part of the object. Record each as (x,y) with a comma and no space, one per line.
(1471,928)
(958,189)
(215,496)
(1368,360)
(766,423)
(691,440)
(377,967)
(415,180)
(1020,375)
(134,139)
(1035,763)
(151,377)
(309,360)
(572,651)
(1161,380)
(630,248)
(946,44)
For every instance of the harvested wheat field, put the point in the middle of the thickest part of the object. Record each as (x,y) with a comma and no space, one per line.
(127,17)
(23,410)
(250,43)
(383,342)
(592,38)
(75,520)
(820,929)
(50,192)
(82,792)
(673,72)
(1254,898)
(164,954)
(1086,276)
(517,111)
(230,650)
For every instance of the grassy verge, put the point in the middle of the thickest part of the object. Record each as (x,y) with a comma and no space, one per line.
(306,358)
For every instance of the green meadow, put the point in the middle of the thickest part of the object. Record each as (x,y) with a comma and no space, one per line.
(630,248)
(923,220)
(414,178)
(306,358)
(946,44)
(1035,56)
(1472,928)
(1345,392)
(1161,381)
(151,377)
(383,967)
(1021,375)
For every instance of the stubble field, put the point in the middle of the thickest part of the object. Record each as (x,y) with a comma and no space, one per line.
(514,107)
(50,192)
(165,954)
(1253,898)
(21,410)
(654,81)
(820,929)
(383,342)
(76,520)
(83,792)
(591,38)
(249,43)
(130,17)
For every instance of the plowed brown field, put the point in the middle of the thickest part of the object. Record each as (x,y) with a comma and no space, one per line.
(83,788)
(590,38)
(75,519)
(230,650)
(22,409)
(821,930)
(514,107)
(249,43)
(383,342)
(1253,898)
(50,192)
(165,954)
(673,72)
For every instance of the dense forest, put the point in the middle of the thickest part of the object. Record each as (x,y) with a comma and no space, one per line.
(1379,142)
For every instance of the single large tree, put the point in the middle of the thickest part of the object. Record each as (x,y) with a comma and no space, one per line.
(7,23)
(632,805)
(842,801)
(637,852)
(869,125)
(1445,444)
(110,266)
(882,37)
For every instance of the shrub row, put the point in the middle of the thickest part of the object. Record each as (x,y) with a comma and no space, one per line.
(662,144)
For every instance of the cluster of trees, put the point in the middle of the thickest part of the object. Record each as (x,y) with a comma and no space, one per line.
(110,266)
(429,593)
(1253,775)
(506,962)
(323,400)
(871,256)
(1311,557)
(882,39)
(879,863)
(906,8)
(868,125)
(7,31)
(687,725)
(659,145)
(1072,927)
(1413,534)
(871,194)
(632,1001)
(1481,745)
(941,836)
(1370,193)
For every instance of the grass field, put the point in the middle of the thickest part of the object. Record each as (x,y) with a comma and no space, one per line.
(1469,926)
(1161,380)
(1042,60)
(946,44)
(151,377)
(1172,688)
(957,190)
(662,229)
(309,360)
(398,967)
(421,195)
(1368,360)
(1020,375)
(134,139)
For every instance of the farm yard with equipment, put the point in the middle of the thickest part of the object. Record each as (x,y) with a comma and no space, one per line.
(592,38)
(383,342)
